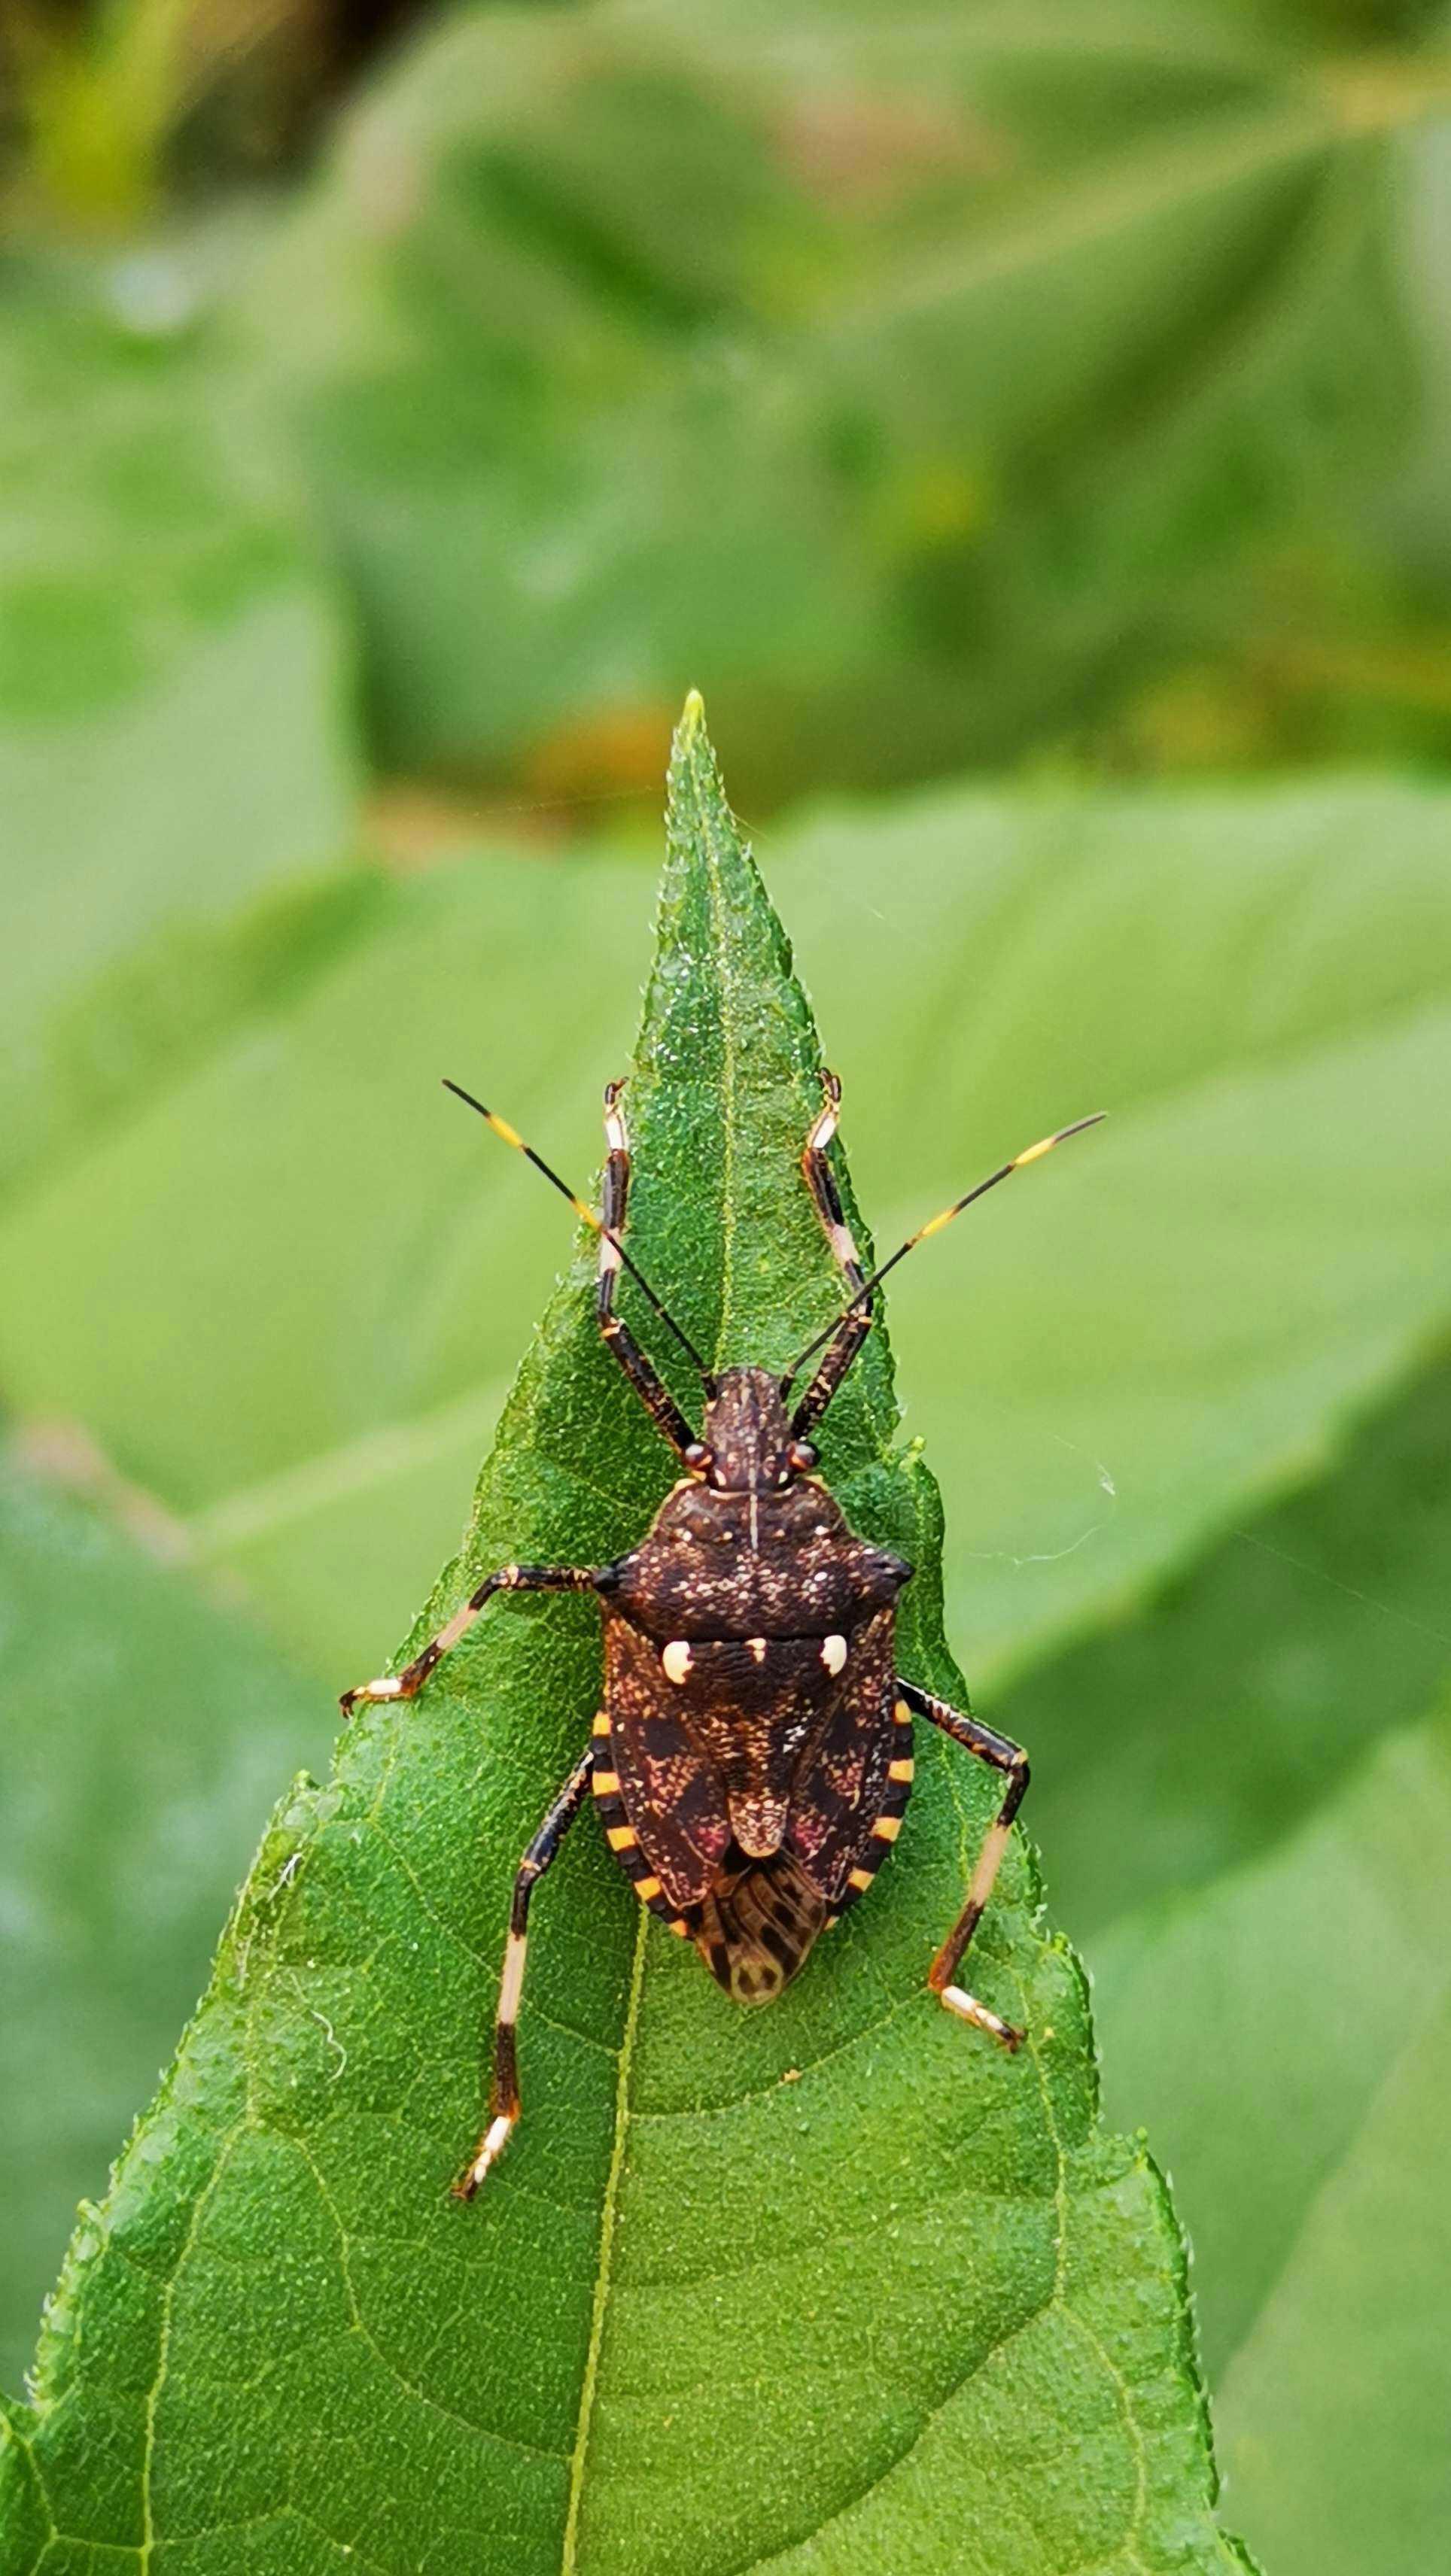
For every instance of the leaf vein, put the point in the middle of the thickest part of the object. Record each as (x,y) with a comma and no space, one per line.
(364,2332)
(590,2381)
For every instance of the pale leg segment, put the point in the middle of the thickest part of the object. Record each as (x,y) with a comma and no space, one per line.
(504,2089)
(641,1371)
(510,1578)
(1007,1757)
(821,1182)
(852,1331)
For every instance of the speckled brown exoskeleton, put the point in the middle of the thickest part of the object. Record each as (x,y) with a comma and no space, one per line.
(752,1759)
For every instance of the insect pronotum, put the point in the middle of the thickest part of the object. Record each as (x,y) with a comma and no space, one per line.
(752,1758)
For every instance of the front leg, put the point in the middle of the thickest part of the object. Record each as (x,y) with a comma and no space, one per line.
(1007,1757)
(510,1578)
(856,1323)
(821,1182)
(641,1371)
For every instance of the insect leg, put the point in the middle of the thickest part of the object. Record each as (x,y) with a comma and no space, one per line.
(659,1403)
(821,1182)
(854,1327)
(504,2088)
(1011,1759)
(510,1578)
(836,1359)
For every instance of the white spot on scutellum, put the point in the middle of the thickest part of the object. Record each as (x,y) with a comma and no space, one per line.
(676,1660)
(833,1653)
(756,1646)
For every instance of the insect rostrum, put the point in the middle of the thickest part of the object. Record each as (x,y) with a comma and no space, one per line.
(752,1757)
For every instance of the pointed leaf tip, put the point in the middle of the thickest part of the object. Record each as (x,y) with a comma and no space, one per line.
(695,797)
(691,740)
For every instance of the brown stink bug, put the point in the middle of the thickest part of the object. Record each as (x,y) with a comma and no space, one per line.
(753,1757)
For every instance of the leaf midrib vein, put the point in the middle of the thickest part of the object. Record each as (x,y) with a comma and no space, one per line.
(729,1085)
(590,2381)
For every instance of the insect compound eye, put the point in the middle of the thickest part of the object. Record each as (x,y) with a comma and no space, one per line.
(804,1455)
(699,1458)
(833,1654)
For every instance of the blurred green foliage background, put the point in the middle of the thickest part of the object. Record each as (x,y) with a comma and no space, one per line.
(1031,427)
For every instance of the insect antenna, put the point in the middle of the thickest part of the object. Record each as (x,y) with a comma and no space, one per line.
(934,1225)
(511,1136)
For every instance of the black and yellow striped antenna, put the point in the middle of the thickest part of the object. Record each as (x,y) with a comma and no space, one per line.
(934,1225)
(511,1136)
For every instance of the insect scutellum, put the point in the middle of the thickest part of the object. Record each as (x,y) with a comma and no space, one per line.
(751,1760)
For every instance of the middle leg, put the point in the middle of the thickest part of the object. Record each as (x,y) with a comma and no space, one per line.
(1007,1757)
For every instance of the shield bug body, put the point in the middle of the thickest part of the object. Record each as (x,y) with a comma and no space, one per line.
(752,1758)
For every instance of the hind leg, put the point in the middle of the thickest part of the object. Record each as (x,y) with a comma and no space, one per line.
(504,2089)
(1009,1758)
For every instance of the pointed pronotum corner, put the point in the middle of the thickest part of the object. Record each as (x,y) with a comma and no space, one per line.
(831,2286)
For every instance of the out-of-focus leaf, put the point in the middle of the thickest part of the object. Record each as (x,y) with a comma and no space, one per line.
(1336,2408)
(1229,1707)
(144,1726)
(280,2344)
(370,1254)
(982,332)
(1285,2031)
(174,741)
(1190,1777)
(296,1278)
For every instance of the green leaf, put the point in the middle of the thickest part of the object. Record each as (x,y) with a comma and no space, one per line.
(1268,1937)
(1269,1946)
(1339,2398)
(174,738)
(146,1724)
(831,2284)
(1224,1711)
(986,332)
(1291,2022)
